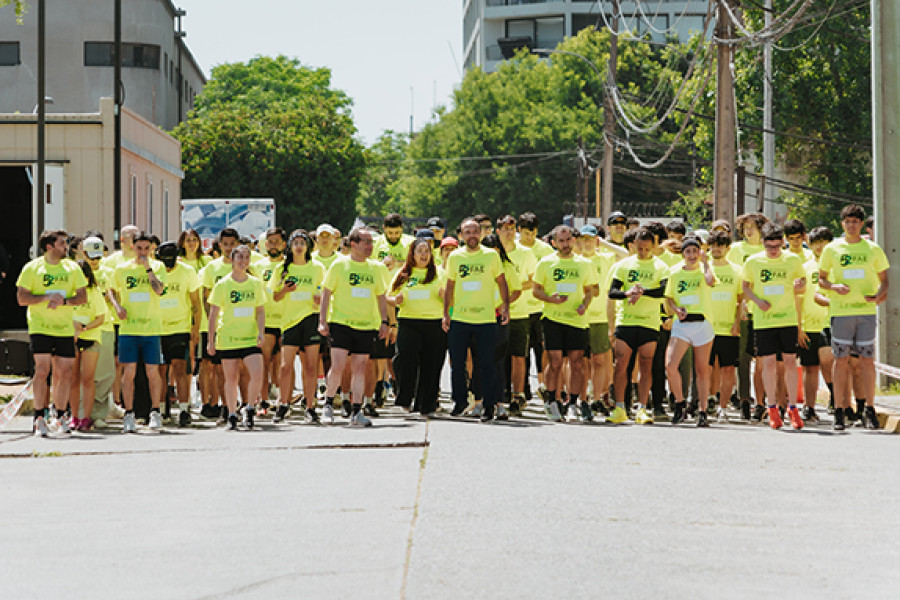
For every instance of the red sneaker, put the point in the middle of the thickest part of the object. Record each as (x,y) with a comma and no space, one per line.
(794,415)
(775,418)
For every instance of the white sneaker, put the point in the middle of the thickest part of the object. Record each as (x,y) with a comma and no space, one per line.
(62,425)
(115,412)
(552,410)
(502,413)
(721,417)
(128,424)
(360,420)
(328,415)
(155,420)
(477,410)
(40,427)
(571,413)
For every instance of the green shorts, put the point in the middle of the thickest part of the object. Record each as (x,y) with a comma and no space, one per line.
(598,338)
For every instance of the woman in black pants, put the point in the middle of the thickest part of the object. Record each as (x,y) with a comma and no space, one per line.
(417,292)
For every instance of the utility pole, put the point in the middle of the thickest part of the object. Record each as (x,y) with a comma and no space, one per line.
(117,117)
(580,186)
(609,115)
(41,121)
(768,137)
(723,187)
(886,157)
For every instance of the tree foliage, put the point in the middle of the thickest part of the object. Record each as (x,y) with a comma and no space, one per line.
(274,128)
(20,7)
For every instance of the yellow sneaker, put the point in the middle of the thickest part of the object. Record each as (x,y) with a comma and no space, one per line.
(643,417)
(618,415)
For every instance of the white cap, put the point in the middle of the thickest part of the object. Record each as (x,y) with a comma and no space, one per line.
(93,247)
(326,228)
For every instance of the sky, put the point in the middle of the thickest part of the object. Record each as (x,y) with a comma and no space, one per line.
(391,57)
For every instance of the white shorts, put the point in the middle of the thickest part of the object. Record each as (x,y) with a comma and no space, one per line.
(696,333)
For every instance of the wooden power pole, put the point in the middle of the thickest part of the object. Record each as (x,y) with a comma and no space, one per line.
(609,115)
(724,162)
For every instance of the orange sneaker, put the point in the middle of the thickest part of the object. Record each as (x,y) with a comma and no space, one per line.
(794,415)
(775,418)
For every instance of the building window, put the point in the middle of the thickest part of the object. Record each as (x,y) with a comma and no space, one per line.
(9,54)
(546,32)
(165,215)
(165,64)
(149,207)
(171,72)
(141,56)
(134,183)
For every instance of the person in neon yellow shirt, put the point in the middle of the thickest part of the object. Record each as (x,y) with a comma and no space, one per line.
(795,236)
(472,273)
(775,282)
(855,272)
(89,318)
(275,243)
(565,282)
(417,292)
(392,246)
(237,326)
(297,288)
(353,302)
(600,334)
(817,357)
(688,297)
(725,314)
(134,295)
(527,224)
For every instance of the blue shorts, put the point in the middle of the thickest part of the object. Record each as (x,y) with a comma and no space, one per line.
(133,348)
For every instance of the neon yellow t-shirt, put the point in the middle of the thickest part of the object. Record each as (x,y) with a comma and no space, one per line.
(773,281)
(196,263)
(649,273)
(474,275)
(237,302)
(598,311)
(210,275)
(815,317)
(41,278)
(381,248)
(132,284)
(421,300)
(741,251)
(103,276)
(857,266)
(567,277)
(94,307)
(540,249)
(525,263)
(355,288)
(175,302)
(689,289)
(300,303)
(723,297)
(326,261)
(274,310)
(670,258)
(513,284)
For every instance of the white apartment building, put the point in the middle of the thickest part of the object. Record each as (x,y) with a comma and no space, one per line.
(488,23)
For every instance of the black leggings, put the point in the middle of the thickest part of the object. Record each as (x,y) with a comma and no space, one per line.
(421,347)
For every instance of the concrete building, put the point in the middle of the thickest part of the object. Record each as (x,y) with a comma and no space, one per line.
(486,23)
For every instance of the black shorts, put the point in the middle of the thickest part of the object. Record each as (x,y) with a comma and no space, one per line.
(535,333)
(83,345)
(238,353)
(63,347)
(175,346)
(303,334)
(809,356)
(559,336)
(776,340)
(277,333)
(826,336)
(636,336)
(354,341)
(204,340)
(382,349)
(518,336)
(727,349)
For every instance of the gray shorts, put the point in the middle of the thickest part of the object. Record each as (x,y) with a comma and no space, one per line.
(853,334)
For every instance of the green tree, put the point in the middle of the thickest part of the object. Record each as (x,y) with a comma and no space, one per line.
(19,5)
(385,159)
(274,128)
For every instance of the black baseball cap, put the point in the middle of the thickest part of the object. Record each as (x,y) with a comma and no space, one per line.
(616,218)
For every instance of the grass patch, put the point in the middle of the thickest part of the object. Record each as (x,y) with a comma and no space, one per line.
(37,454)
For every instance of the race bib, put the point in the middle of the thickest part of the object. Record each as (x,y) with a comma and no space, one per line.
(57,292)
(300,296)
(566,288)
(850,274)
(83,319)
(721,296)
(471,286)
(168,303)
(418,294)
(691,300)
(773,290)
(242,312)
(361,292)
(139,297)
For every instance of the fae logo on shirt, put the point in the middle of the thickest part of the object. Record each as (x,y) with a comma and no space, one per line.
(239,296)
(299,280)
(50,280)
(174,287)
(132,282)
(767,275)
(466,270)
(850,259)
(634,276)
(685,286)
(361,279)
(559,274)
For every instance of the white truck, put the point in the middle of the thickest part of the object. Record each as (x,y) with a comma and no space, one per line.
(251,217)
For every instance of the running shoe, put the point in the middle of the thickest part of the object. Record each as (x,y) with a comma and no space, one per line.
(643,417)
(369,410)
(552,410)
(758,413)
(850,416)
(328,415)
(217,411)
(100,424)
(311,417)
(487,415)
(659,413)
(809,414)
(735,401)
(184,418)
(155,420)
(346,409)
(702,419)
(838,419)
(587,415)
(458,409)
(86,424)
(477,410)
(571,413)
(871,418)
(40,427)
(280,413)
(745,410)
(515,409)
(232,422)
(678,413)
(360,420)
(794,416)
(618,415)
(775,421)
(322,389)
(128,424)
(248,415)
(721,416)
(62,425)
(502,414)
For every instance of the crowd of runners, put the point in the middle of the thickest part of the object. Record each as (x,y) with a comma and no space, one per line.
(624,323)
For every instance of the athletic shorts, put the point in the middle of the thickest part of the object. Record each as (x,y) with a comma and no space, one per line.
(277,333)
(695,333)
(535,332)
(809,356)
(238,353)
(175,346)
(134,348)
(303,334)
(598,338)
(518,336)
(382,348)
(853,334)
(83,345)
(826,336)
(213,358)
(354,341)
(776,340)
(636,336)
(63,347)
(727,349)
(559,336)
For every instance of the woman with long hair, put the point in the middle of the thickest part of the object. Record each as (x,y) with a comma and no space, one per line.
(88,318)
(237,324)
(190,252)
(297,284)
(417,292)
(190,249)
